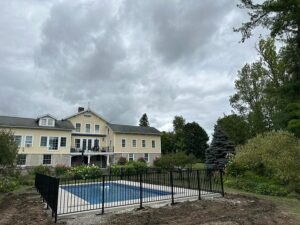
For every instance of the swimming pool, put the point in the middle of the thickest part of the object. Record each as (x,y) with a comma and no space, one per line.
(113,192)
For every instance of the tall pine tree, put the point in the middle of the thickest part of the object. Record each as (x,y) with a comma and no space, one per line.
(144,121)
(218,153)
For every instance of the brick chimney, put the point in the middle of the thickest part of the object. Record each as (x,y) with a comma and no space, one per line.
(80,109)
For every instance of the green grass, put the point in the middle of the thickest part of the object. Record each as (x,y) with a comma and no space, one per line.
(290,205)
(198,166)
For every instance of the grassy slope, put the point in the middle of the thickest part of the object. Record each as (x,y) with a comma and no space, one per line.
(290,206)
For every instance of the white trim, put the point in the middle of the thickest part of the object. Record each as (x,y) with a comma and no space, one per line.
(135,143)
(41,141)
(122,142)
(152,144)
(145,143)
(95,129)
(31,141)
(133,158)
(85,128)
(79,128)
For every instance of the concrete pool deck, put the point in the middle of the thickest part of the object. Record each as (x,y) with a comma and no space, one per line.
(69,203)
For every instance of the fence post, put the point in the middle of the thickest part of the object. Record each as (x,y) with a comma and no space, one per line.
(56,188)
(210,184)
(172,187)
(141,191)
(103,181)
(222,185)
(188,177)
(199,186)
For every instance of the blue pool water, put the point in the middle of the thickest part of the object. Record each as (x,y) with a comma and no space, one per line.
(113,192)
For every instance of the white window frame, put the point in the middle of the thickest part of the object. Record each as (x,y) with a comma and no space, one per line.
(44,122)
(134,146)
(51,122)
(23,164)
(86,129)
(79,142)
(31,144)
(97,132)
(153,146)
(79,127)
(123,139)
(47,159)
(19,144)
(47,144)
(65,142)
(146,158)
(129,158)
(144,142)
(58,143)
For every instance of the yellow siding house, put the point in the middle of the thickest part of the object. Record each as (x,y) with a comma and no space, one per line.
(84,137)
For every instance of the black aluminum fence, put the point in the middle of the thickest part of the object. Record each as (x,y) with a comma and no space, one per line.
(108,191)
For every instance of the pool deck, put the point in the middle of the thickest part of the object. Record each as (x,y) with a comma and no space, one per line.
(76,204)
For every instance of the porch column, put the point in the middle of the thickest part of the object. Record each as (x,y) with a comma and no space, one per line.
(89,159)
(107,160)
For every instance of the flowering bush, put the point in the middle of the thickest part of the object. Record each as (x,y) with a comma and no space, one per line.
(8,184)
(61,169)
(41,170)
(85,172)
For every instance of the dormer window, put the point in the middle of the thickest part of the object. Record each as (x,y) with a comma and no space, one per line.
(47,121)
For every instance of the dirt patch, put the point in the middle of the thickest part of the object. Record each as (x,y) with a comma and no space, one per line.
(27,208)
(23,208)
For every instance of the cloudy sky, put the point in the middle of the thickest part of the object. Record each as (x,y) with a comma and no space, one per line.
(164,58)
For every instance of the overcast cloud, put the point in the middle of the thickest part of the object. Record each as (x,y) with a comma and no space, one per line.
(164,58)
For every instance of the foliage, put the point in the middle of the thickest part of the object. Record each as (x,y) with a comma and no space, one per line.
(144,121)
(8,148)
(178,127)
(8,184)
(122,161)
(198,166)
(217,155)
(41,169)
(173,160)
(61,169)
(195,140)
(129,167)
(168,142)
(282,18)
(85,172)
(235,127)
(143,160)
(272,156)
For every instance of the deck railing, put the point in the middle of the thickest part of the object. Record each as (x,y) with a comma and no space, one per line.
(69,195)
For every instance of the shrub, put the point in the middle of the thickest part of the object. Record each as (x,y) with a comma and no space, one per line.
(8,184)
(273,157)
(173,160)
(141,159)
(138,165)
(122,161)
(61,169)
(85,172)
(41,170)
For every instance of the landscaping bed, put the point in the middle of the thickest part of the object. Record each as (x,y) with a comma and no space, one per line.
(26,207)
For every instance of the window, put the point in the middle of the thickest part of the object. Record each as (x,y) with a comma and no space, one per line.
(18,140)
(44,122)
(83,144)
(144,143)
(123,143)
(63,142)
(89,144)
(96,143)
(146,157)
(87,128)
(50,122)
(77,143)
(134,143)
(153,143)
(47,159)
(53,143)
(97,129)
(28,141)
(44,140)
(21,160)
(77,127)
(130,157)
(110,143)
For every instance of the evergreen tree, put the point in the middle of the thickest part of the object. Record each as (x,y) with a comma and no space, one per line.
(178,126)
(8,149)
(144,121)
(221,148)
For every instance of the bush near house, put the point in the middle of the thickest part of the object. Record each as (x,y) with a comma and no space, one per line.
(122,161)
(267,164)
(129,167)
(84,172)
(61,169)
(41,170)
(173,160)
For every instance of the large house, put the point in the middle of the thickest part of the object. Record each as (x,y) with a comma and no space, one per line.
(83,137)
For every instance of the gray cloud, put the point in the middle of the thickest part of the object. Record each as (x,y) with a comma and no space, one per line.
(128,57)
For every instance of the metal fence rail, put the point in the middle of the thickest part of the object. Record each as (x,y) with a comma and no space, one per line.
(69,195)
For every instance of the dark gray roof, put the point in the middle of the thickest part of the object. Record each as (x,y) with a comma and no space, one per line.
(117,128)
(9,121)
